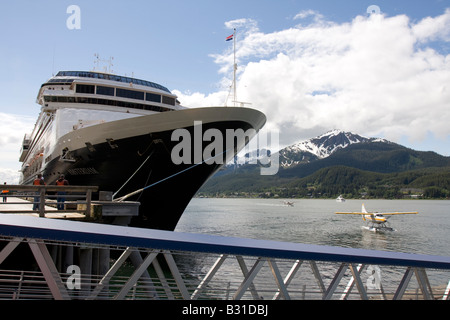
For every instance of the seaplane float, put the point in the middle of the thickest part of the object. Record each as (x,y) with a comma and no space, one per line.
(376,221)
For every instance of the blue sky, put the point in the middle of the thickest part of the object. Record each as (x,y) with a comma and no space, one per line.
(181,44)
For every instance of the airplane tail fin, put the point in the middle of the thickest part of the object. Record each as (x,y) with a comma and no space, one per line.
(363,210)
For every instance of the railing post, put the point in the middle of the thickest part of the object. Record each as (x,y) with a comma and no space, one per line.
(88,202)
(424,283)
(403,284)
(48,269)
(335,282)
(248,281)
(42,202)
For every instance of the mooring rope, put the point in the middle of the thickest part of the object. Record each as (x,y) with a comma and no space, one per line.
(164,179)
(132,175)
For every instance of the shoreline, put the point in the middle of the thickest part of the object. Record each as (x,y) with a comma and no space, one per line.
(309,198)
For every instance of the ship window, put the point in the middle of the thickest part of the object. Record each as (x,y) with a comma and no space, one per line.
(84,88)
(168,100)
(124,93)
(107,91)
(153,97)
(116,103)
(110,77)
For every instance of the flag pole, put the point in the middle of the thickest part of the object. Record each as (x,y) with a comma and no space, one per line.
(234,67)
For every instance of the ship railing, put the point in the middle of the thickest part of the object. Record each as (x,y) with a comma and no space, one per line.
(78,199)
(117,262)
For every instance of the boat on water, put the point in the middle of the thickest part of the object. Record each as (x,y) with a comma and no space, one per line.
(117,133)
(340,199)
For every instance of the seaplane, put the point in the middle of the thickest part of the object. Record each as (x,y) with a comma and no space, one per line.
(376,221)
(289,203)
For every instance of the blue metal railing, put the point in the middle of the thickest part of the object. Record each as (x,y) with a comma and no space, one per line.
(350,262)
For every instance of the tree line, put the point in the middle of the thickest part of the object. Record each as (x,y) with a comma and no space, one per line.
(330,182)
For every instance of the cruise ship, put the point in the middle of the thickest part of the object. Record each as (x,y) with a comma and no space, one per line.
(116,133)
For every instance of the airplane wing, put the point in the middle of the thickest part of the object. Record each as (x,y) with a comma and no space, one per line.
(394,213)
(382,213)
(364,211)
(351,213)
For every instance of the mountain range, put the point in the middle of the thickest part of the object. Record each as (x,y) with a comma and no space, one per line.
(321,147)
(340,162)
(327,143)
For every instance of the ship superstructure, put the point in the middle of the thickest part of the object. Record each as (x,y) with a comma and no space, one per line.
(116,132)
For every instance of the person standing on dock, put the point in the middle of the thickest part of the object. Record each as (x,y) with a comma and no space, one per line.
(61,199)
(4,193)
(39,181)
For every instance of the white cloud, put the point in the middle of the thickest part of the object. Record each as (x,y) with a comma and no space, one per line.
(374,75)
(430,29)
(9,176)
(199,100)
(317,17)
(246,24)
(306,13)
(12,131)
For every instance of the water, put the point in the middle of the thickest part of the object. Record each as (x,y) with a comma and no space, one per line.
(315,222)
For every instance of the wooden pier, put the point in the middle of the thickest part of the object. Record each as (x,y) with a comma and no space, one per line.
(79,205)
(22,198)
(24,207)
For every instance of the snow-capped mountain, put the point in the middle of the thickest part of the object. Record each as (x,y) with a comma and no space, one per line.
(321,147)
(310,150)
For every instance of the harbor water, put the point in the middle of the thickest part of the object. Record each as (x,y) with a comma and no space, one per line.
(315,222)
(311,221)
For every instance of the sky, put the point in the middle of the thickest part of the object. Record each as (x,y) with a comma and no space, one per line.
(310,66)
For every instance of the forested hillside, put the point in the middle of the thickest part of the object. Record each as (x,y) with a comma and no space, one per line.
(370,170)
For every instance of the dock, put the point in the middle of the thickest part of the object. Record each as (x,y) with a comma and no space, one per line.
(79,260)
(42,201)
(25,207)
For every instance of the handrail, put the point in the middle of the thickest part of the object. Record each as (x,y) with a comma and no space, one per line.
(41,191)
(113,235)
(282,260)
